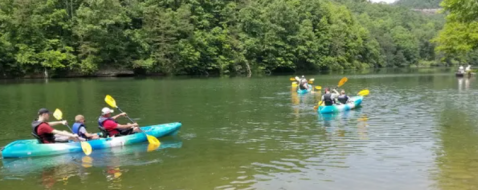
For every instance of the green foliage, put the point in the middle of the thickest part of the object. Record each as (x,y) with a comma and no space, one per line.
(419,4)
(458,40)
(203,36)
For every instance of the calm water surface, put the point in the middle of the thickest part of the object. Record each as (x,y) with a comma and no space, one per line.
(416,130)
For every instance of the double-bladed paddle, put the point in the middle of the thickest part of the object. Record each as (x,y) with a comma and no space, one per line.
(111,102)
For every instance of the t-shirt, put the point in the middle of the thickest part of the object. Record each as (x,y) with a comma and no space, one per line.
(82,130)
(110,126)
(44,129)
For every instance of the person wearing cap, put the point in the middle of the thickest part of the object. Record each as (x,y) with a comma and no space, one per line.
(43,129)
(109,124)
(329,98)
(79,128)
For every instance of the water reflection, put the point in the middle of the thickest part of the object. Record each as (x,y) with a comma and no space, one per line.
(63,166)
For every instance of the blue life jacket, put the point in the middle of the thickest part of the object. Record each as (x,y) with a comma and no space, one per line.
(76,129)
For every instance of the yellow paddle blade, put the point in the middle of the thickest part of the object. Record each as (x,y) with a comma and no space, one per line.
(311,81)
(110,101)
(318,87)
(152,147)
(364,93)
(294,84)
(292,79)
(343,81)
(58,114)
(153,140)
(86,147)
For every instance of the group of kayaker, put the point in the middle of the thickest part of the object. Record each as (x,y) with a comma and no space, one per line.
(329,98)
(463,70)
(44,131)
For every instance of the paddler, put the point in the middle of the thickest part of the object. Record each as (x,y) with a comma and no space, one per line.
(461,69)
(329,98)
(343,98)
(109,124)
(303,85)
(44,131)
(79,128)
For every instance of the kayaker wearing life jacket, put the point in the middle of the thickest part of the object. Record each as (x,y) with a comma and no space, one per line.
(43,130)
(343,98)
(329,98)
(303,85)
(79,128)
(109,124)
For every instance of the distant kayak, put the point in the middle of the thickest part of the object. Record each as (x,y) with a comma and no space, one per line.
(31,147)
(458,74)
(354,102)
(305,91)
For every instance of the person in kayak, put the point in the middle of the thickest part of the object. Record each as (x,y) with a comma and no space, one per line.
(329,97)
(303,85)
(79,128)
(461,69)
(42,129)
(108,123)
(343,98)
(468,68)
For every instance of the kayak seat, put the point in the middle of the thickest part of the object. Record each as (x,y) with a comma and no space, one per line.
(37,137)
(104,133)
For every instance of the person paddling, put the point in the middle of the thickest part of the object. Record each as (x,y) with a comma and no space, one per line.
(303,85)
(79,128)
(43,130)
(343,98)
(329,98)
(461,69)
(109,124)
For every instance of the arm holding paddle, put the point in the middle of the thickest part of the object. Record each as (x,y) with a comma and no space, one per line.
(66,133)
(53,123)
(119,115)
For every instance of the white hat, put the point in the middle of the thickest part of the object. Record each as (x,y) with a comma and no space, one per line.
(106,110)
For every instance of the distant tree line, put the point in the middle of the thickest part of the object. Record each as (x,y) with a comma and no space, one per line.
(211,36)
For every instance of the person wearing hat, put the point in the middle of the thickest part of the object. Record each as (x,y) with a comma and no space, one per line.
(43,129)
(109,124)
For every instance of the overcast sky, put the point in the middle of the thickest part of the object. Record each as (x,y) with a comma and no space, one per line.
(386,1)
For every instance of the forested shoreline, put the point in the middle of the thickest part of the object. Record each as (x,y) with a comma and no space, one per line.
(202,37)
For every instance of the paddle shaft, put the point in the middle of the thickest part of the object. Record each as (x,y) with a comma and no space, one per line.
(126,115)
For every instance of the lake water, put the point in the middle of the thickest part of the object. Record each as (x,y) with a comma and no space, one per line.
(416,130)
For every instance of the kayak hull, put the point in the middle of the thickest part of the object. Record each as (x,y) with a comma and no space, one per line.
(355,102)
(31,147)
(304,91)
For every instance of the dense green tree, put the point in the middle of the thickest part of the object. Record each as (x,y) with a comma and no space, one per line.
(212,36)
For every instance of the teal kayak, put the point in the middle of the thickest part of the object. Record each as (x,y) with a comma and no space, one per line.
(305,91)
(354,102)
(31,147)
(118,156)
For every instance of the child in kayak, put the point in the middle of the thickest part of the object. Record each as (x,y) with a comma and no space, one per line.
(79,128)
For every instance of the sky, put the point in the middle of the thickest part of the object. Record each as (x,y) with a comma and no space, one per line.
(386,1)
